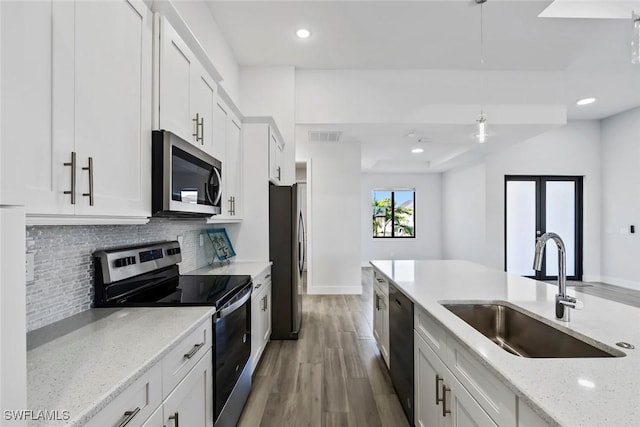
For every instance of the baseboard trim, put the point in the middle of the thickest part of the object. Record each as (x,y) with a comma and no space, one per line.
(620,282)
(335,290)
(589,278)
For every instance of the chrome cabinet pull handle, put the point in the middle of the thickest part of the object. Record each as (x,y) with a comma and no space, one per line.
(278,173)
(193,351)
(176,418)
(90,169)
(267,276)
(445,411)
(438,398)
(201,125)
(72,192)
(230,206)
(197,123)
(128,416)
(258,286)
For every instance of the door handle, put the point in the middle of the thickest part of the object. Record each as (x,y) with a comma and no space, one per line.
(445,411)
(72,163)
(193,351)
(90,169)
(176,418)
(438,398)
(197,123)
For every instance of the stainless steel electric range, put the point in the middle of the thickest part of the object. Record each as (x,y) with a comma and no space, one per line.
(148,276)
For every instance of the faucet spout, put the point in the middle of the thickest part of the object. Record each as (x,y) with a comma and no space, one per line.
(563,301)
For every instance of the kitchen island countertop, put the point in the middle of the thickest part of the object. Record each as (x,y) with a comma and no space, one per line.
(565,392)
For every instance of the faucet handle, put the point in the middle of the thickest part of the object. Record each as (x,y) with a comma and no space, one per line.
(570,302)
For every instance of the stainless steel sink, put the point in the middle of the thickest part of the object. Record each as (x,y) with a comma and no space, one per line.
(523,335)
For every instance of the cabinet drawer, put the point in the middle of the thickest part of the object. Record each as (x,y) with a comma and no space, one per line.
(494,397)
(381,283)
(430,331)
(184,356)
(136,403)
(261,281)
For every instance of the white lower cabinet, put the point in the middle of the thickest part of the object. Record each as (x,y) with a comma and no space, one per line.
(381,316)
(440,399)
(191,403)
(260,317)
(176,391)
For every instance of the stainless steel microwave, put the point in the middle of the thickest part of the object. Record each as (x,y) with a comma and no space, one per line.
(186,181)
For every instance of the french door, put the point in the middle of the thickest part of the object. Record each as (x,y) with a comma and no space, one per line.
(535,205)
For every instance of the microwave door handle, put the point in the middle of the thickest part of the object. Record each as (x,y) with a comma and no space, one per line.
(219,196)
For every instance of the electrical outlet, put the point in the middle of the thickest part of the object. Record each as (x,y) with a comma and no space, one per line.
(201,240)
(30,268)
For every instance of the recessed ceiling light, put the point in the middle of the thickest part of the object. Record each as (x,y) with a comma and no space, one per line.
(411,134)
(303,33)
(417,150)
(585,101)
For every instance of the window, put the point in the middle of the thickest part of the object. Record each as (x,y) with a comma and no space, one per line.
(393,213)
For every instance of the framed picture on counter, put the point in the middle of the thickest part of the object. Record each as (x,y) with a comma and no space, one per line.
(221,243)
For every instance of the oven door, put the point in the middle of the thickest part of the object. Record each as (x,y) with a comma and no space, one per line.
(186,180)
(232,352)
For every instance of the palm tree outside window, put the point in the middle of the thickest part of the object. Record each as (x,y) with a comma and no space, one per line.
(393,213)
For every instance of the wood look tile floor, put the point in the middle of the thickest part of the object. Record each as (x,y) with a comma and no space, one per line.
(333,375)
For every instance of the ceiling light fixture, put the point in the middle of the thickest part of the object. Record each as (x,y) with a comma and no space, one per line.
(417,150)
(303,33)
(585,101)
(635,38)
(482,120)
(411,134)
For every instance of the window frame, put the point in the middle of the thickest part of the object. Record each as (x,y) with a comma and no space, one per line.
(393,191)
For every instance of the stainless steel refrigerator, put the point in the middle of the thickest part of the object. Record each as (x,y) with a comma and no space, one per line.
(287,252)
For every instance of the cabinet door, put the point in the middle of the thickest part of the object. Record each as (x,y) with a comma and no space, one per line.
(191,403)
(233,179)
(274,168)
(155,420)
(384,329)
(113,58)
(203,105)
(266,313)
(465,410)
(220,116)
(256,329)
(176,81)
(428,386)
(32,153)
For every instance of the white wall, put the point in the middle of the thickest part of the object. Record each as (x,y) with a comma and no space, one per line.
(203,25)
(428,224)
(573,149)
(270,91)
(335,219)
(621,199)
(464,214)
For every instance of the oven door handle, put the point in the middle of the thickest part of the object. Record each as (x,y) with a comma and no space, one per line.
(227,310)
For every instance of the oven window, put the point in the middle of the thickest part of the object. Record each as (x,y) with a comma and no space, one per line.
(193,180)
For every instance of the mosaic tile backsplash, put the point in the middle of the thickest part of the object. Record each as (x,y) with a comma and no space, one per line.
(63,265)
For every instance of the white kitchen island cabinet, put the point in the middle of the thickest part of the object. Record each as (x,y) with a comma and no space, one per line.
(81,101)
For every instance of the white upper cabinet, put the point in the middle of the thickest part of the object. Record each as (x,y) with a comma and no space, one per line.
(113,59)
(187,101)
(276,148)
(81,97)
(228,146)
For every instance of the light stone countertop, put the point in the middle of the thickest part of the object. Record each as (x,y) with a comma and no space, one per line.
(566,392)
(82,363)
(252,269)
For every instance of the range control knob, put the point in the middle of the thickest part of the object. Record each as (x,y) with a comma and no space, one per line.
(123,262)
(173,251)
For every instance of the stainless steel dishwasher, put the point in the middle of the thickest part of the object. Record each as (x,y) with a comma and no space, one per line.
(401,348)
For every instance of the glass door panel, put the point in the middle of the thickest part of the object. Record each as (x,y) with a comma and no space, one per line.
(560,216)
(520,227)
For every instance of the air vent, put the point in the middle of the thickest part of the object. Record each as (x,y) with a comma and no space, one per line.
(324,136)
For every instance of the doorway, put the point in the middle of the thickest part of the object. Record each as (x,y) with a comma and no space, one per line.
(535,205)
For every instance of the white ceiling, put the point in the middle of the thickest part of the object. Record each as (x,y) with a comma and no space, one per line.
(593,55)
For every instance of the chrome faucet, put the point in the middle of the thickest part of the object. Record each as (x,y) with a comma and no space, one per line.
(563,301)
